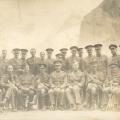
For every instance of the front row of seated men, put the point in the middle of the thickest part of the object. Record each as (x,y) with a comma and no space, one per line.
(75,90)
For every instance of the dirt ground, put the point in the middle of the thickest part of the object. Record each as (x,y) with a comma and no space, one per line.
(60,115)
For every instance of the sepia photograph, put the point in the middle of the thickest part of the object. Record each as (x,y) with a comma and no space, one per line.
(59,60)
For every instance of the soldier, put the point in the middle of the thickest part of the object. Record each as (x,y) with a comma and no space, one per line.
(42,87)
(73,58)
(15,61)
(94,85)
(89,59)
(102,67)
(42,58)
(114,76)
(82,62)
(23,60)
(33,62)
(26,86)
(49,60)
(64,52)
(76,81)
(57,82)
(59,56)
(10,82)
(3,62)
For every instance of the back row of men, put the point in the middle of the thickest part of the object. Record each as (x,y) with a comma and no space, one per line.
(73,77)
(85,63)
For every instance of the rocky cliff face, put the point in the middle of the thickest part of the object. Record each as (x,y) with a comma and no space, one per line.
(102,23)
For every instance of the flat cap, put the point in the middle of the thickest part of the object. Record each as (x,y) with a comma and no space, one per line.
(112,46)
(63,49)
(98,45)
(80,49)
(16,50)
(24,50)
(49,49)
(59,54)
(73,47)
(88,46)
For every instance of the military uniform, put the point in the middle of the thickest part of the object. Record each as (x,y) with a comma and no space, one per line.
(49,61)
(76,81)
(90,59)
(72,59)
(114,75)
(43,87)
(27,89)
(15,62)
(81,61)
(94,85)
(57,82)
(10,81)
(3,66)
(23,61)
(33,64)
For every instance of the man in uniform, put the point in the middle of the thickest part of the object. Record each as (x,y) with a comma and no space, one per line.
(102,67)
(10,82)
(94,85)
(82,62)
(15,61)
(26,87)
(64,52)
(3,62)
(23,60)
(59,57)
(58,81)
(42,87)
(89,59)
(33,62)
(73,58)
(76,81)
(49,60)
(114,76)
(42,59)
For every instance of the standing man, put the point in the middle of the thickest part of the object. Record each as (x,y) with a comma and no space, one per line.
(42,58)
(33,62)
(15,61)
(73,58)
(3,62)
(114,75)
(64,52)
(58,80)
(89,59)
(23,61)
(101,60)
(49,60)
(82,62)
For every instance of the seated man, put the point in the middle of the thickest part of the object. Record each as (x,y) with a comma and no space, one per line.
(10,84)
(42,87)
(94,86)
(57,86)
(76,81)
(26,87)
